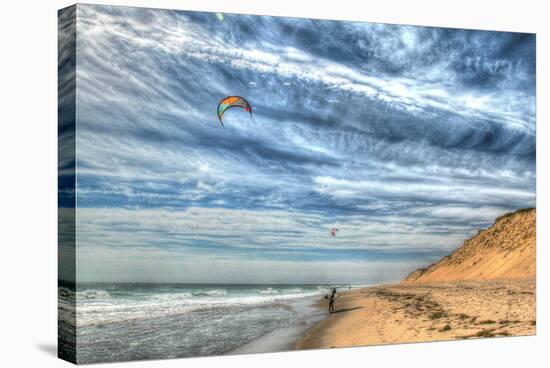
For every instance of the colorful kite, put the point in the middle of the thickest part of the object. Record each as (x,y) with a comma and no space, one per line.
(230,102)
(333,231)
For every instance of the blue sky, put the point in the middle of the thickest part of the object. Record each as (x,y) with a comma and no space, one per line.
(407,139)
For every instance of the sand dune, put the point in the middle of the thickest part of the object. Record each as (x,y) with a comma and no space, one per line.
(505,250)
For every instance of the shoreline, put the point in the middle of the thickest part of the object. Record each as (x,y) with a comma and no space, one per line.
(284,338)
(400,313)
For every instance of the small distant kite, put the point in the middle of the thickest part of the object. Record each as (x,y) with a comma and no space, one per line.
(232,101)
(333,231)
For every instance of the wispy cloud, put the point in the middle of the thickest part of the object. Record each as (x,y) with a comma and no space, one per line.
(407,138)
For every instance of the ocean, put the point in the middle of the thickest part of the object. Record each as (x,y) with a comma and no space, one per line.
(133,321)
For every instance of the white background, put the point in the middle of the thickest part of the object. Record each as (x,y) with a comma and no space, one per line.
(28,181)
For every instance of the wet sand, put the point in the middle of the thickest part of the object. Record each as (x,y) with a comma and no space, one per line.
(400,313)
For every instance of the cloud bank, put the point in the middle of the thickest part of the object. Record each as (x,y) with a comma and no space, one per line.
(408,139)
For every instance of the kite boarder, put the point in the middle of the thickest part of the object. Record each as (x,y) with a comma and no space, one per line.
(332,298)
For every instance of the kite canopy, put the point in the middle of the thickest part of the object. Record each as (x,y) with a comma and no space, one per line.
(230,102)
(333,231)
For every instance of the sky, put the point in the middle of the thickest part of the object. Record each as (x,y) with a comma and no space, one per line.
(407,139)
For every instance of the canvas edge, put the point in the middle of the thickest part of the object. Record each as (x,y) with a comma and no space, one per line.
(66,186)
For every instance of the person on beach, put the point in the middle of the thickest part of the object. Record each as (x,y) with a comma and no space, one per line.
(331,301)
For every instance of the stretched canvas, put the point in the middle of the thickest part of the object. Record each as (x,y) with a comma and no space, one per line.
(234,184)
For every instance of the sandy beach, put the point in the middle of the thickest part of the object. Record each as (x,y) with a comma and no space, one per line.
(402,313)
